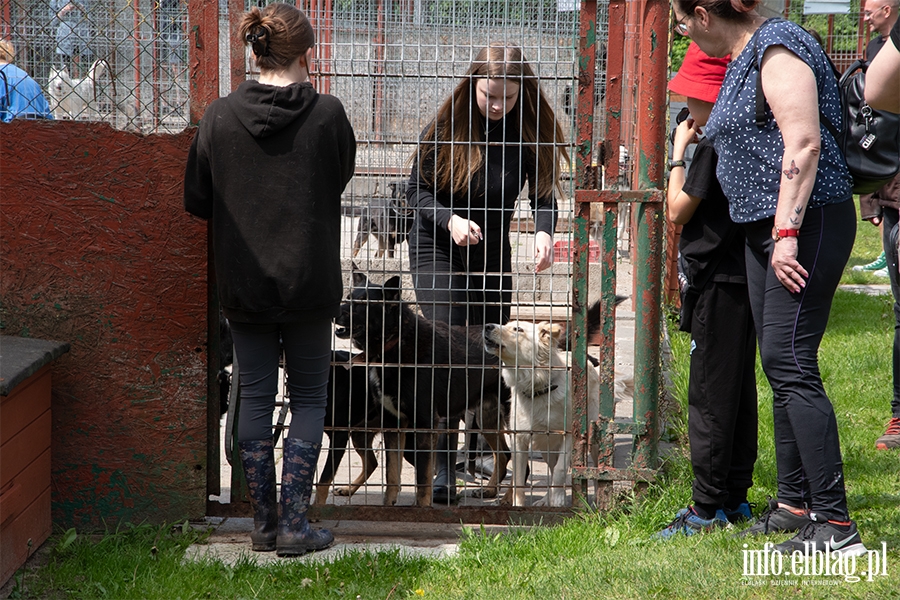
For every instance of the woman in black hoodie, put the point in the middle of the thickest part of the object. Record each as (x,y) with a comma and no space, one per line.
(268,166)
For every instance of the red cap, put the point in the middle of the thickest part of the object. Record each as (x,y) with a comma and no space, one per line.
(700,75)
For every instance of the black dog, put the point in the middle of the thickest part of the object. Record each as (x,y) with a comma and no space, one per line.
(427,370)
(352,413)
(387,219)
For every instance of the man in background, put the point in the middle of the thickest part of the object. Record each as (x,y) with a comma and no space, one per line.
(881,209)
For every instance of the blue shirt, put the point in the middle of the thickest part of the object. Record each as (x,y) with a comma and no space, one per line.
(750,157)
(20,96)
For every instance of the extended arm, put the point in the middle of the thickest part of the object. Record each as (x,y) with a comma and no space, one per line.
(790,88)
(681,205)
(883,79)
(420,195)
(545,213)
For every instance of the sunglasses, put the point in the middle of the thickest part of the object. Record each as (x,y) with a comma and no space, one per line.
(681,26)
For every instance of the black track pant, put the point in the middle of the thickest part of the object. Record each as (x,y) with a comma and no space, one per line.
(790,328)
(722,403)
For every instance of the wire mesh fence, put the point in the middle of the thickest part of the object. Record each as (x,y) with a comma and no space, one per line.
(119,61)
(393,65)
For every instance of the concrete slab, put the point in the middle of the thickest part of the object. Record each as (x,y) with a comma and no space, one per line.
(230,540)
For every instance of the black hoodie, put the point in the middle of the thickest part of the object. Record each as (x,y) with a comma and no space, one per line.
(268,166)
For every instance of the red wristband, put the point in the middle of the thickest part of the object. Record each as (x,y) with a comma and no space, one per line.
(780,234)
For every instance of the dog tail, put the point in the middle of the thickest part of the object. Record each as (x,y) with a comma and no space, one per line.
(594,321)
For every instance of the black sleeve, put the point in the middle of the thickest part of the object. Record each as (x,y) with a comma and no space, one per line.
(347,148)
(544,208)
(198,185)
(700,180)
(420,194)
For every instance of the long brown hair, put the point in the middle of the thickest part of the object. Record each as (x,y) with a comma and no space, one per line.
(278,34)
(456,162)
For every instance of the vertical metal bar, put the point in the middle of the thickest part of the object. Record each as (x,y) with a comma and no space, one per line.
(156,100)
(238,56)
(203,65)
(862,29)
(615,45)
(321,17)
(585,178)
(136,37)
(614,66)
(378,80)
(650,225)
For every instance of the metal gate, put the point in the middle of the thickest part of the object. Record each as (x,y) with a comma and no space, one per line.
(602,67)
(391,64)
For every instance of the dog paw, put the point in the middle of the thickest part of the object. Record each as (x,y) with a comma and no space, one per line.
(483,493)
(342,491)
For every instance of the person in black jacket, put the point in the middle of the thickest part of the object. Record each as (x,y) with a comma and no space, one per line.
(495,132)
(722,402)
(268,166)
(882,209)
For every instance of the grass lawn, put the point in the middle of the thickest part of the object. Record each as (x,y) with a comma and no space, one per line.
(591,555)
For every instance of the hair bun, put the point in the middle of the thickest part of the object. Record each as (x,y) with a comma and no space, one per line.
(259,40)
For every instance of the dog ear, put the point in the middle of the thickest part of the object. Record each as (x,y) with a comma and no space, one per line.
(550,332)
(359,278)
(392,288)
(556,330)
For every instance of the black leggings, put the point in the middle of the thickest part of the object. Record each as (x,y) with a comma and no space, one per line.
(790,328)
(307,352)
(462,285)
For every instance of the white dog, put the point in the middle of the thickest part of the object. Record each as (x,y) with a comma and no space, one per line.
(541,413)
(72,98)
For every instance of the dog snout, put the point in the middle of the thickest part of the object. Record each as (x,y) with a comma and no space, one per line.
(491,337)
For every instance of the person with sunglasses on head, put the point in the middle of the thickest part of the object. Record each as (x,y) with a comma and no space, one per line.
(789,187)
(268,166)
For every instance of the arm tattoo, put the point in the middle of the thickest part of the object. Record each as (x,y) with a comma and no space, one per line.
(794,170)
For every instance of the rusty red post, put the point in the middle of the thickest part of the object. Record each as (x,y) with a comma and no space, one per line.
(650,221)
(238,49)
(585,179)
(203,56)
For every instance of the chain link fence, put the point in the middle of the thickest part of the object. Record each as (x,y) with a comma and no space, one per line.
(121,61)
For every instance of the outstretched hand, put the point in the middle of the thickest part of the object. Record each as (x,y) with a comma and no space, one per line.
(543,251)
(464,232)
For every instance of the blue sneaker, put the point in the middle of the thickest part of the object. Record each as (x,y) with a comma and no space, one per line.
(688,522)
(743,512)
